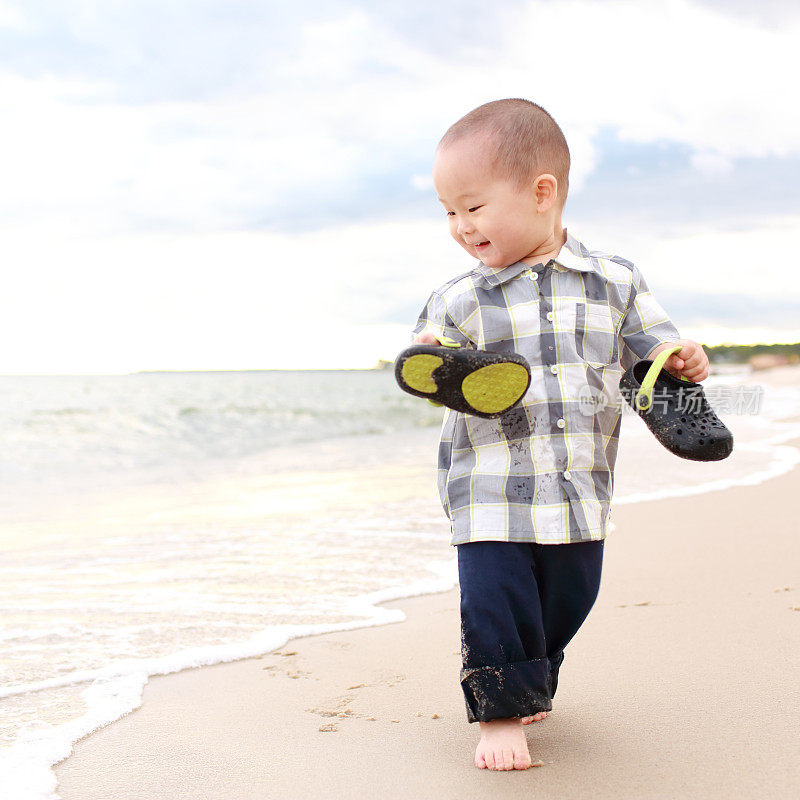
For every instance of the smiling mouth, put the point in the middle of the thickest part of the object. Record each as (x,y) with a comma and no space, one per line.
(480,244)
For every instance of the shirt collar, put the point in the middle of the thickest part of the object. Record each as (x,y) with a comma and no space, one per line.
(570,256)
(573,255)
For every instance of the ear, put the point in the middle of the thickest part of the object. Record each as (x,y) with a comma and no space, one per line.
(546,189)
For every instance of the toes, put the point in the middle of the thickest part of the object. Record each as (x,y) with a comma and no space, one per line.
(522,759)
(506,759)
(489,759)
(480,761)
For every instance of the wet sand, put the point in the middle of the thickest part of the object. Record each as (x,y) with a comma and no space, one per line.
(684,682)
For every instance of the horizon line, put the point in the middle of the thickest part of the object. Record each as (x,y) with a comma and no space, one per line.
(382,365)
(376,368)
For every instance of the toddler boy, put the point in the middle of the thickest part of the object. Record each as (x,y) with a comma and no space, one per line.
(528,493)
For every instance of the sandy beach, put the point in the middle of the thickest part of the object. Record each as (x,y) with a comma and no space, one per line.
(682,683)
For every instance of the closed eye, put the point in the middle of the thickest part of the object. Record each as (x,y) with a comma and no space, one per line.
(474,208)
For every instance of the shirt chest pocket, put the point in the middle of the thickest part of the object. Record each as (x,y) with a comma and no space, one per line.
(588,330)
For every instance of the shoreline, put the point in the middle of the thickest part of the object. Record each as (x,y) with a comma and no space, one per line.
(251,727)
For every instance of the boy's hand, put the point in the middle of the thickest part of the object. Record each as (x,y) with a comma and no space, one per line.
(690,361)
(426,338)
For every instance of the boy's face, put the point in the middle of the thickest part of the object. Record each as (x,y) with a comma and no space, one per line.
(490,217)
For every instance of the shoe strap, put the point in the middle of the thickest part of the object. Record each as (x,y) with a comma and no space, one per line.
(644,397)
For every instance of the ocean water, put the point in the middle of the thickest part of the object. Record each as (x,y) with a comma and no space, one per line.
(154,522)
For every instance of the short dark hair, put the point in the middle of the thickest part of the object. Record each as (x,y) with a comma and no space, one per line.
(527,140)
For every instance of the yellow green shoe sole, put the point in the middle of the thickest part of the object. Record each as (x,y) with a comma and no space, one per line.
(472,381)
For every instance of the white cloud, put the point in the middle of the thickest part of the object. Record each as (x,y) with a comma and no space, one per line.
(215,301)
(249,301)
(99,164)
(358,98)
(756,261)
(709,163)
(11,18)
(423,183)
(673,71)
(719,334)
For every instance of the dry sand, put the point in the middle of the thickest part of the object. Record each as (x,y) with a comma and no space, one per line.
(683,683)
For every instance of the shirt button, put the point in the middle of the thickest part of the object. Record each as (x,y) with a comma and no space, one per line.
(561,423)
(550,315)
(567,475)
(534,275)
(554,369)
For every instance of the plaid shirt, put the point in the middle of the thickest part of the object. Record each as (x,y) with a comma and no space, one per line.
(543,471)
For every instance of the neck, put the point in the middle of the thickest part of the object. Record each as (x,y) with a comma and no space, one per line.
(550,247)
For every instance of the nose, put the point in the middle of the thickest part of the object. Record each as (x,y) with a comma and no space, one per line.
(464,226)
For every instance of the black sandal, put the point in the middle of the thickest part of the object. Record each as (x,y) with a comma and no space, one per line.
(686,424)
(472,381)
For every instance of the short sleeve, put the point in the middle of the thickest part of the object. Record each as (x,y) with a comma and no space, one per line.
(645,324)
(436,319)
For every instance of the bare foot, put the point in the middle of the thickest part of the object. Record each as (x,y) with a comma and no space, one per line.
(535,718)
(502,745)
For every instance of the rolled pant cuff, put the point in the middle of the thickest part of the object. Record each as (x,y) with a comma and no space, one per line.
(507,690)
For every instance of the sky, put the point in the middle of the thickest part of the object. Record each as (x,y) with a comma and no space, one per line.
(198,184)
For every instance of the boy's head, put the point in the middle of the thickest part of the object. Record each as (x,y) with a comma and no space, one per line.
(502,174)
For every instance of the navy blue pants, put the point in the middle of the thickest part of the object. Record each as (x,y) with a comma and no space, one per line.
(521,603)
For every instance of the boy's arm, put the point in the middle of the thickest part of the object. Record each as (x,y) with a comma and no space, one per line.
(646,330)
